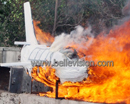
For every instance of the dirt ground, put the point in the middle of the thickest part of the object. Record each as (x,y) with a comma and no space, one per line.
(11,98)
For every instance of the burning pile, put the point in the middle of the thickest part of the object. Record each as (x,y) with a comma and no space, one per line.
(104,84)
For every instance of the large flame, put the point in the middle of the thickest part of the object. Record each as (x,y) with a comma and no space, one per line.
(42,36)
(104,84)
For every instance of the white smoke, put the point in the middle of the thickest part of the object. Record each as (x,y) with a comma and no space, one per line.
(125,13)
(126,9)
(73,73)
(76,36)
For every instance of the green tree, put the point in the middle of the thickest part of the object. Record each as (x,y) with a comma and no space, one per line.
(12,24)
(99,13)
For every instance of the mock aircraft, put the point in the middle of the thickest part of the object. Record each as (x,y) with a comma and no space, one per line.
(34,53)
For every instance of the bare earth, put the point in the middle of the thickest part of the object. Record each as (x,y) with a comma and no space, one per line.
(11,98)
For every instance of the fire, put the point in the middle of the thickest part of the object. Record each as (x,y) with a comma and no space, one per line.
(41,36)
(104,84)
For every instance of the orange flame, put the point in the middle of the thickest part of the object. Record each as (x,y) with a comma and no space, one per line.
(104,84)
(41,36)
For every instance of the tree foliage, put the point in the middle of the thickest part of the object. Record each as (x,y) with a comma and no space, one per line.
(70,13)
(11,23)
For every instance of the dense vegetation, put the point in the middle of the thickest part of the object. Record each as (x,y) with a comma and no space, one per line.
(100,14)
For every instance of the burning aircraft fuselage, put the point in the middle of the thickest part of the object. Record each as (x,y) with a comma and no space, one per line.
(34,53)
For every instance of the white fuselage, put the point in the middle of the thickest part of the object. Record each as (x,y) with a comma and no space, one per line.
(42,53)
